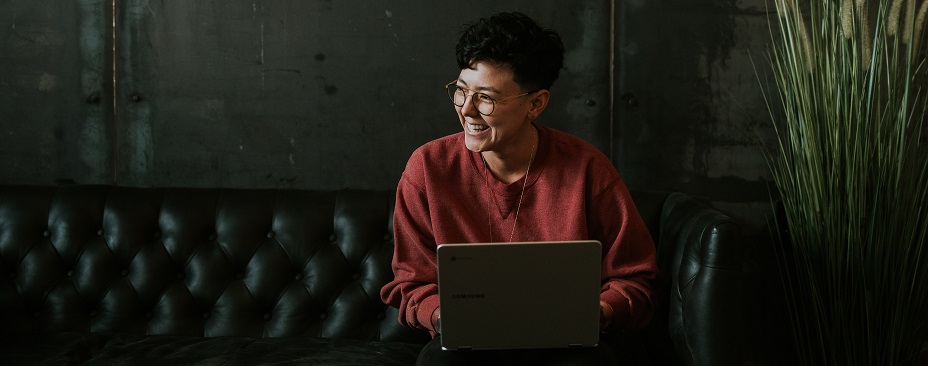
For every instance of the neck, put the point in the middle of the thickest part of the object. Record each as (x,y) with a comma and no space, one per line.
(510,166)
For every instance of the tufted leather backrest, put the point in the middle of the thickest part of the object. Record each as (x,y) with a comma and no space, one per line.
(276,263)
(209,262)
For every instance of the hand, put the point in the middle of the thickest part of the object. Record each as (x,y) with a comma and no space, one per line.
(605,316)
(436,320)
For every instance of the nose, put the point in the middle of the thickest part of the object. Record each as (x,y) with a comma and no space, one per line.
(469,108)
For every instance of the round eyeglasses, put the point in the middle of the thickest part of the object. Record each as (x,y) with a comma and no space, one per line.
(485,104)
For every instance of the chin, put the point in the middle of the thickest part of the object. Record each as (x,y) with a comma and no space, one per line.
(476,149)
(474,146)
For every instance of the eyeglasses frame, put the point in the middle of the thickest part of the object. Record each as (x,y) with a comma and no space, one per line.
(494,101)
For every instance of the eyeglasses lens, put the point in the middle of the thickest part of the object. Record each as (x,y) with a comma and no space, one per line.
(483,103)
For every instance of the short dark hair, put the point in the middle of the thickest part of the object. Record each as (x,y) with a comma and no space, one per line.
(535,54)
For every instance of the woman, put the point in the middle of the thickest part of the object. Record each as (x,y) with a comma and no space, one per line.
(504,178)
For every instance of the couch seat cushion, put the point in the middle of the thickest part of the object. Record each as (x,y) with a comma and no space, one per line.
(138,350)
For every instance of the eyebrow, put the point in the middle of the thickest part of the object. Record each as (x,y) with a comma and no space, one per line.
(481,88)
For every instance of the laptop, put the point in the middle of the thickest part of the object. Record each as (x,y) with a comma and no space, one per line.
(519,295)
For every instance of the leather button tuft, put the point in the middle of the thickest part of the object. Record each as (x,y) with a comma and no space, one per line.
(100,232)
(46,234)
(213,237)
(124,273)
(333,237)
(356,276)
(381,316)
(71,273)
(388,237)
(299,276)
(206,315)
(180,275)
(271,234)
(267,316)
(239,275)
(323,316)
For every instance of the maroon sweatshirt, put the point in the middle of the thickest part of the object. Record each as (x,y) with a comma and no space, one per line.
(573,193)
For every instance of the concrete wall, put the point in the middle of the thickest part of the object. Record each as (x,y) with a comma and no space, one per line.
(690,111)
(312,94)
(56,109)
(303,94)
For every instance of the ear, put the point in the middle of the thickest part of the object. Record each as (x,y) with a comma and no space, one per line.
(538,103)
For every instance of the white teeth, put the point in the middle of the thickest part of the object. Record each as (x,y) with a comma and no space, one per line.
(475,128)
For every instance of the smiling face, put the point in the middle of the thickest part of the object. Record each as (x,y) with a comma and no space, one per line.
(509,126)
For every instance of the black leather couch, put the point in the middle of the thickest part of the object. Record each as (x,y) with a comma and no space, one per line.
(118,275)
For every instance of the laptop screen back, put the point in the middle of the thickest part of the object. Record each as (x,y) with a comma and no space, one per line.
(519,295)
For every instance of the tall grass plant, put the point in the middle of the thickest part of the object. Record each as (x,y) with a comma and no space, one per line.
(850,165)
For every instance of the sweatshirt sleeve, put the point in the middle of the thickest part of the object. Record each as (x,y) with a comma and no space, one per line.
(414,288)
(629,257)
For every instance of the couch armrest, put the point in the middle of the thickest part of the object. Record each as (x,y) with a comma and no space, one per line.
(700,256)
